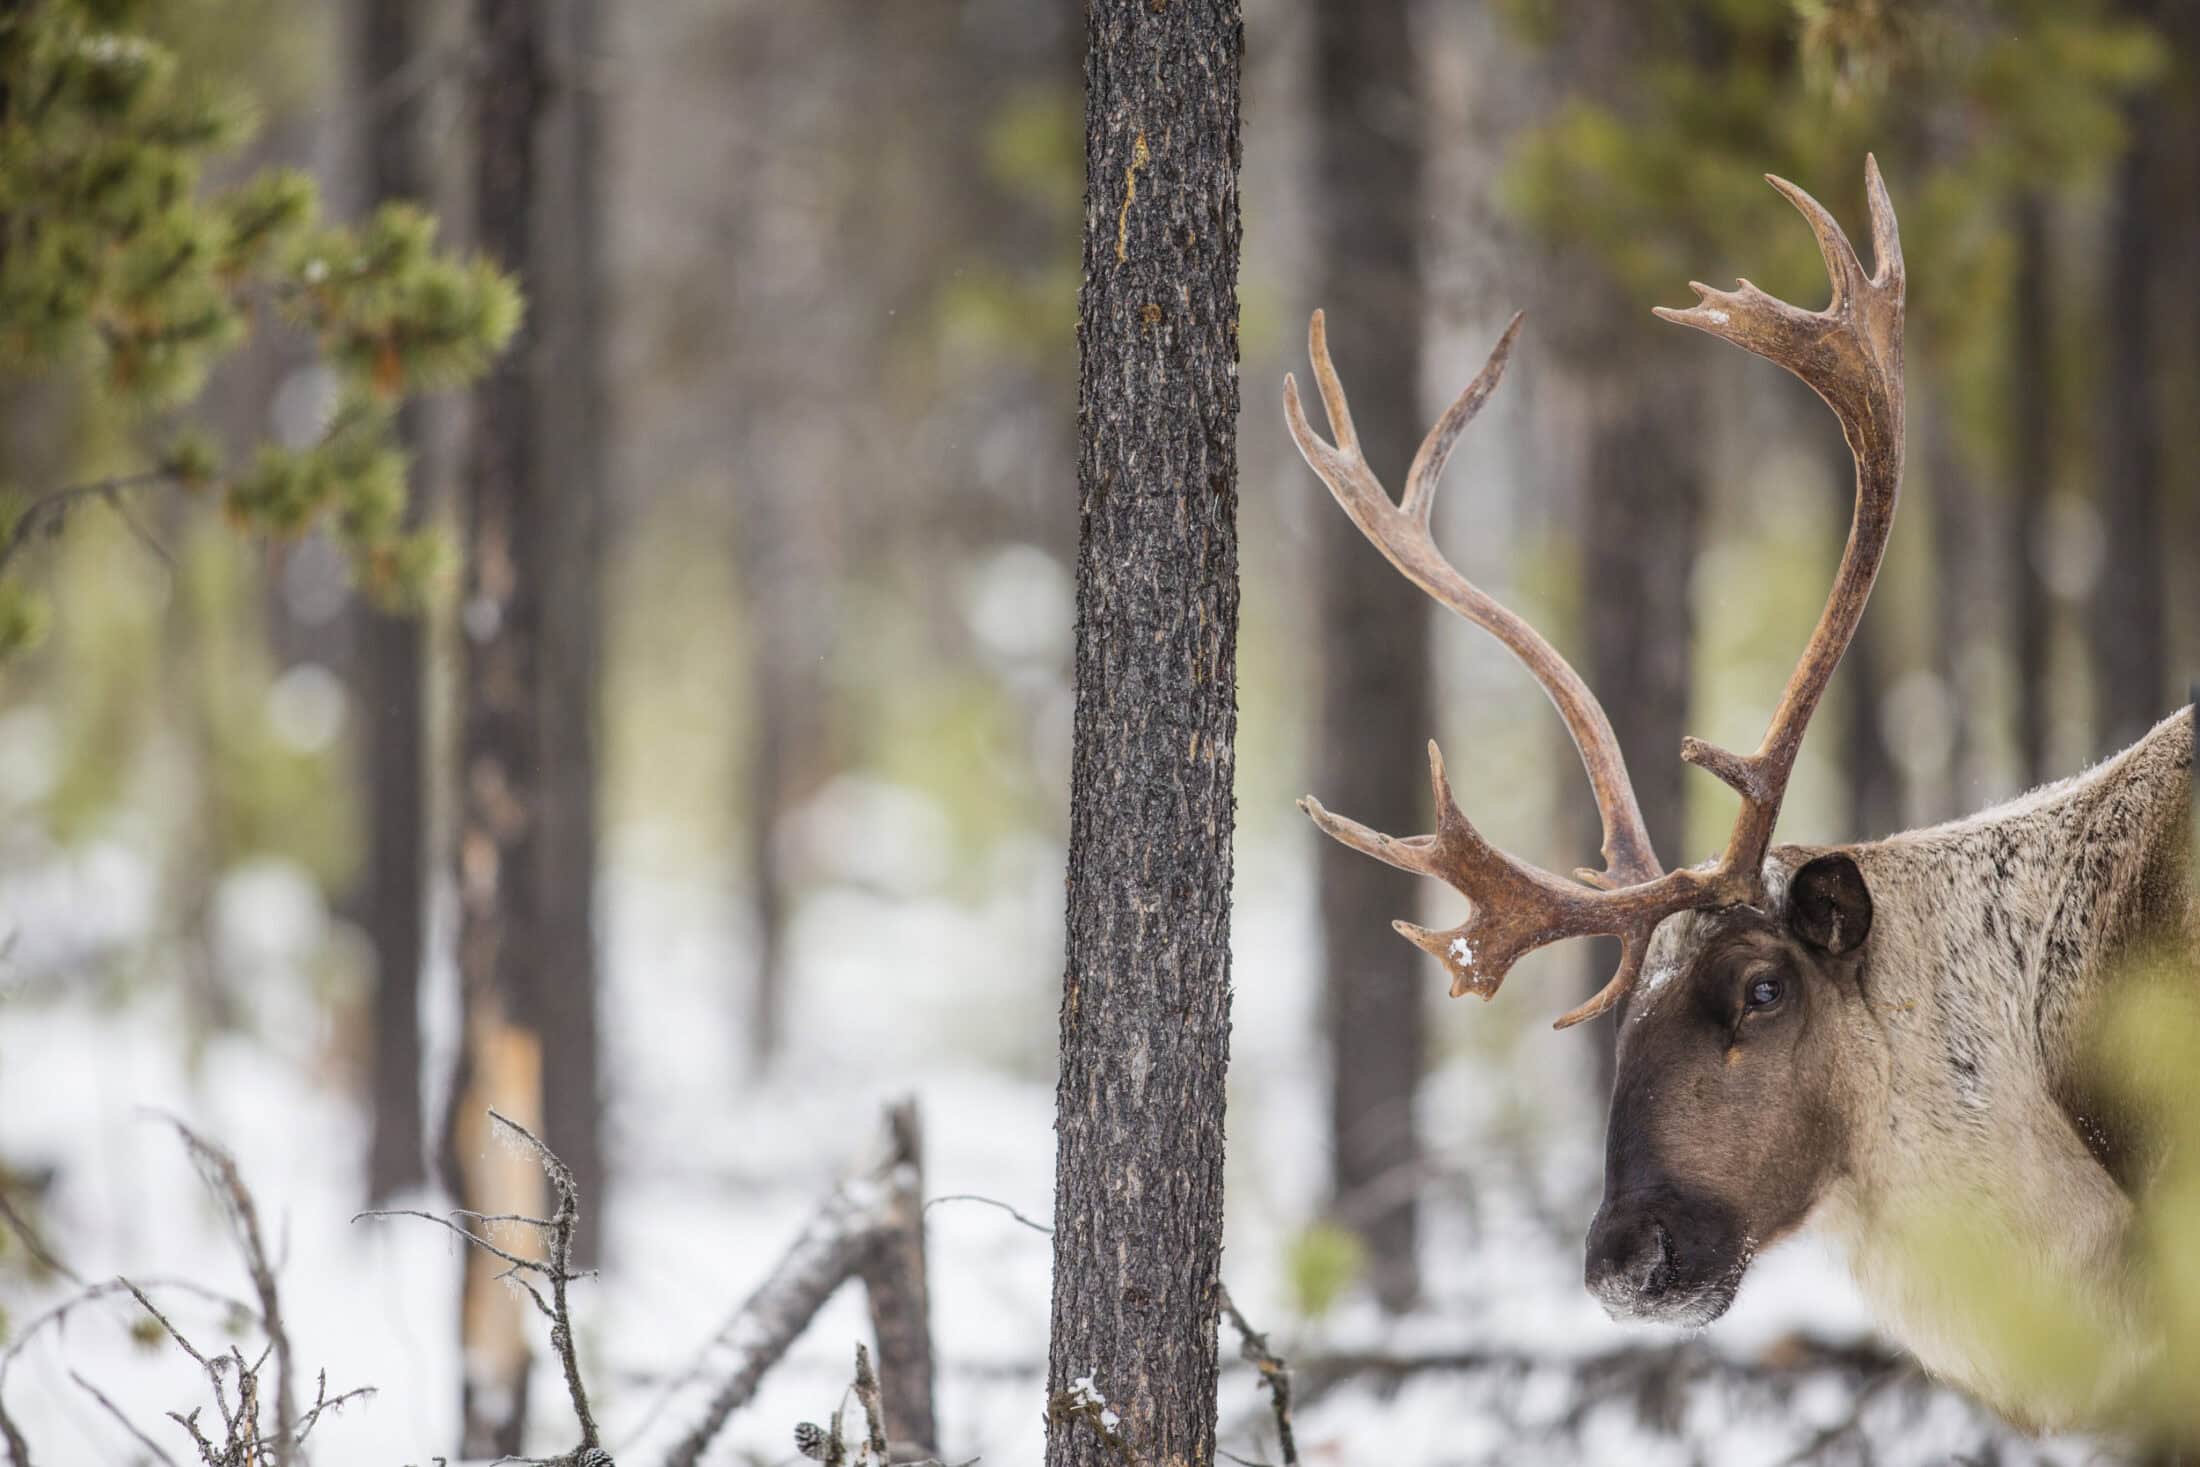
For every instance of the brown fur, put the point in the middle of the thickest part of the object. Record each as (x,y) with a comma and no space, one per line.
(1937,1061)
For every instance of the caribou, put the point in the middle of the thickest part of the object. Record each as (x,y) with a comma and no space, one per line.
(1844,1036)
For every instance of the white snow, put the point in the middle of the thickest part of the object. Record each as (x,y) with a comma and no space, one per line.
(718,1169)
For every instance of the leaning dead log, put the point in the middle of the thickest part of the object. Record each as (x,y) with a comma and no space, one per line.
(870,1227)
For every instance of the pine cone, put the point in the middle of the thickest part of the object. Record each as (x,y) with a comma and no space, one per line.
(810,1440)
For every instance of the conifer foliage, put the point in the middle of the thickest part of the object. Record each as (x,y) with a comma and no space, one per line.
(127,276)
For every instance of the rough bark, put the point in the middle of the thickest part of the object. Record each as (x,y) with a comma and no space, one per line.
(2032,473)
(500,744)
(1146,996)
(2130,615)
(391,683)
(1374,627)
(569,299)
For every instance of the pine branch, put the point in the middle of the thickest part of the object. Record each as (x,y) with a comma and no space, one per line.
(47,513)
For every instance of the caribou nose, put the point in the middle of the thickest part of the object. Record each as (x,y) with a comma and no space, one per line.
(1630,1263)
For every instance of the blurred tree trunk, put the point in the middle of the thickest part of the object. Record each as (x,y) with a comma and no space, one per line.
(1145,1019)
(568,304)
(795,227)
(1874,783)
(390,673)
(1961,611)
(1641,499)
(2130,620)
(1374,628)
(1641,506)
(2032,387)
(501,754)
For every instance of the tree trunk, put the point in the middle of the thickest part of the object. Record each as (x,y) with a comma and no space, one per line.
(804,70)
(2032,443)
(1874,783)
(390,678)
(1374,629)
(1963,614)
(1642,502)
(501,754)
(2130,621)
(1146,995)
(568,307)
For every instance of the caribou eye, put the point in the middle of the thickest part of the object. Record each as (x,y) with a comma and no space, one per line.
(1765,992)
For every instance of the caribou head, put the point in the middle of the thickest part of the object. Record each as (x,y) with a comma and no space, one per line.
(1738,988)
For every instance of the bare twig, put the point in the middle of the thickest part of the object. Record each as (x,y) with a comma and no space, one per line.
(829,1443)
(557,1272)
(19,1450)
(220,1170)
(1275,1374)
(1037,1227)
(123,1421)
(48,512)
(34,1242)
(874,1416)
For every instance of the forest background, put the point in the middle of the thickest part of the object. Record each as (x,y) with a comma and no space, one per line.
(801,284)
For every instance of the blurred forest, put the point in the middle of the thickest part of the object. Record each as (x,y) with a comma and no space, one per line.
(754,599)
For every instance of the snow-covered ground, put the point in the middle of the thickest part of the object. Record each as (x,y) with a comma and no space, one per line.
(897,993)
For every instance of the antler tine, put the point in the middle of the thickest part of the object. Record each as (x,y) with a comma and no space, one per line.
(1419,500)
(1401,532)
(1851,355)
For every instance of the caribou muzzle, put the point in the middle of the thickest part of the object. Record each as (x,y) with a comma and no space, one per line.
(1665,1255)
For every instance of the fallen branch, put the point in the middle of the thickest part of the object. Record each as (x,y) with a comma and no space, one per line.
(557,1272)
(841,1240)
(1789,1360)
(896,1290)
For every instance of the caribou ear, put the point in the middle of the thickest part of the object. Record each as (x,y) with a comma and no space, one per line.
(1829,906)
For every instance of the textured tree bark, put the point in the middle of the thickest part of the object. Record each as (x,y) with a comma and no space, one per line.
(2130,621)
(1146,995)
(391,673)
(500,742)
(1375,695)
(569,291)
(2032,444)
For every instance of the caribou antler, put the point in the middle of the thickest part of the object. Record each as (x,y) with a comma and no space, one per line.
(1851,352)
(1851,355)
